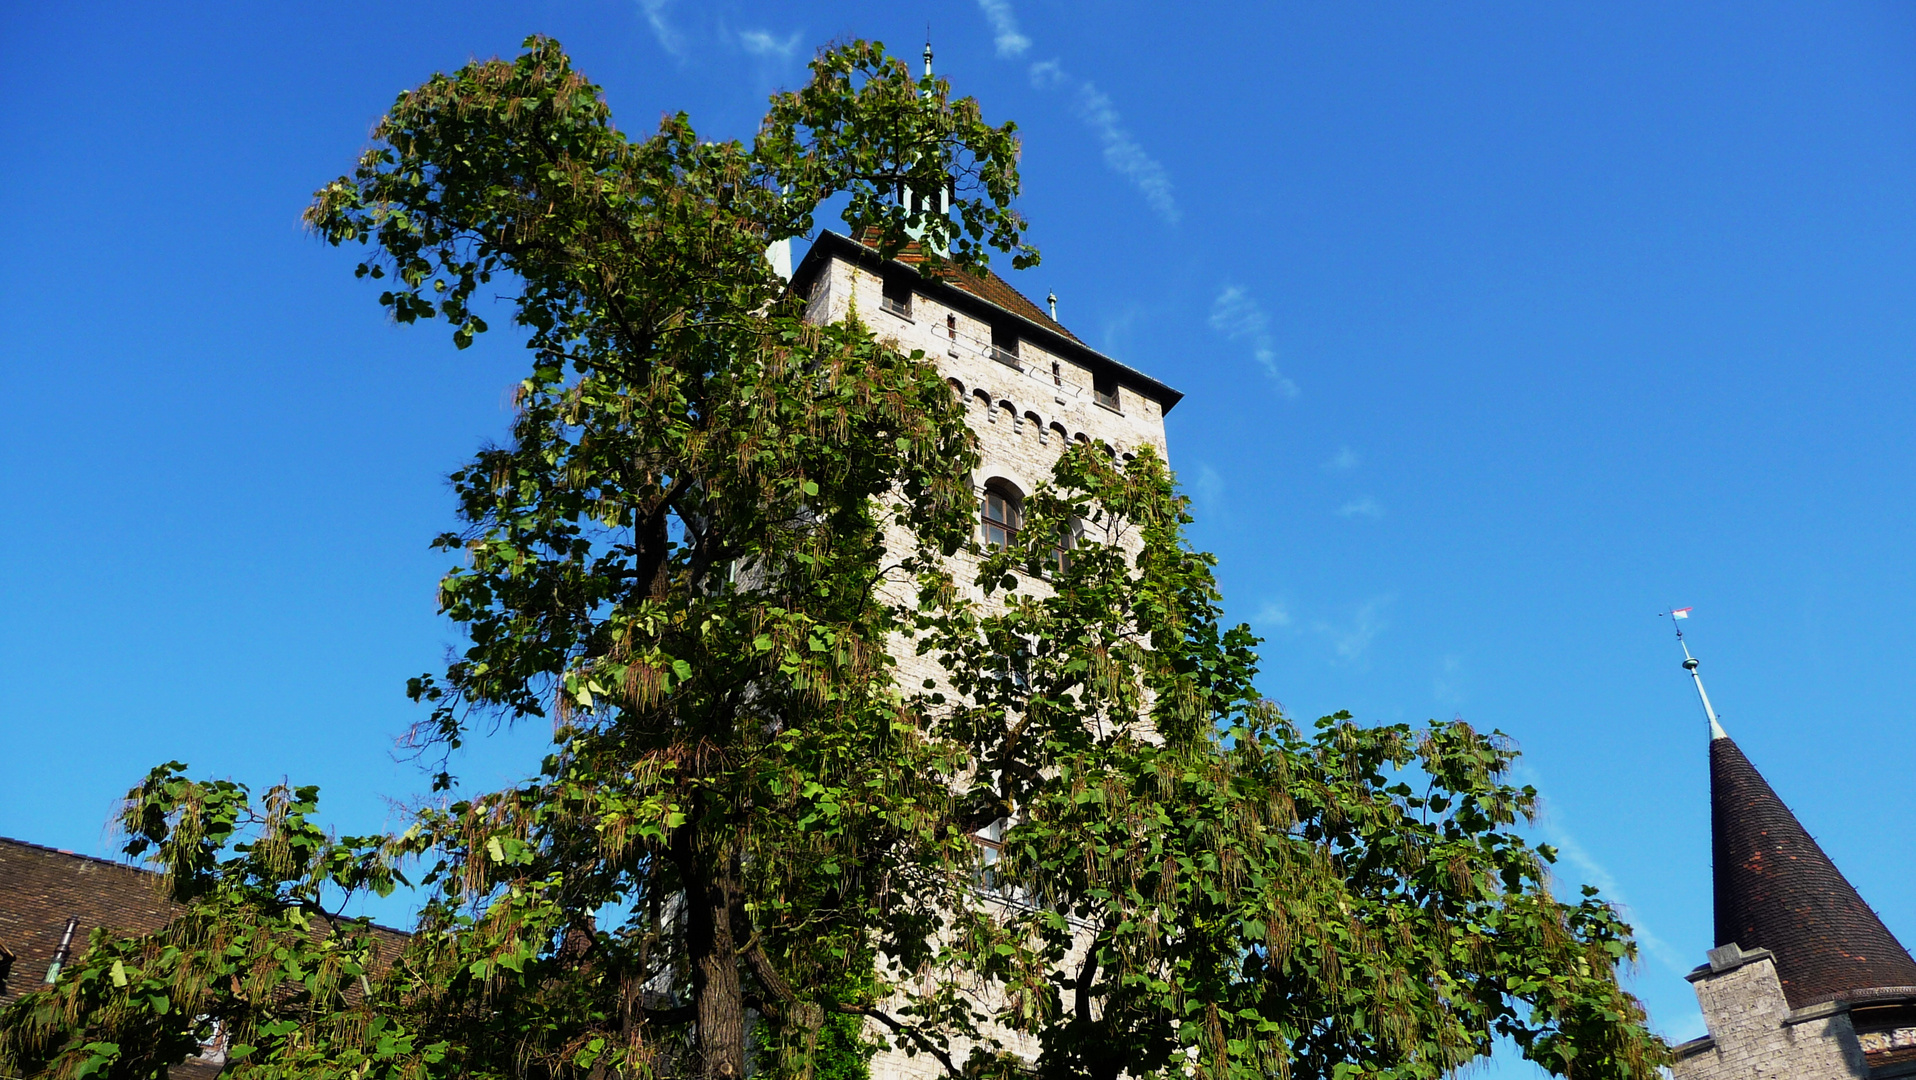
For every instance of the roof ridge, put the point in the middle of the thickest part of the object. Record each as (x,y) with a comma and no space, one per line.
(76,855)
(913,255)
(1776,889)
(143,871)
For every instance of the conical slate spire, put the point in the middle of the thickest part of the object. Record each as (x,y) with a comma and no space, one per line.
(1776,890)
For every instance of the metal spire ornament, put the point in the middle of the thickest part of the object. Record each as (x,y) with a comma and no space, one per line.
(1677,615)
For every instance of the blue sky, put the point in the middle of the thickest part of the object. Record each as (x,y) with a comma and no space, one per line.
(1503,328)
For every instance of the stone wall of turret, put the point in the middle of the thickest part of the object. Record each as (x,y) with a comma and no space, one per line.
(1755,1035)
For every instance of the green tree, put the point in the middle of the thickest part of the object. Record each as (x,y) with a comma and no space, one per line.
(713,531)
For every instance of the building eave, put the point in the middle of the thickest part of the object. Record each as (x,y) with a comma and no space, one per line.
(830,243)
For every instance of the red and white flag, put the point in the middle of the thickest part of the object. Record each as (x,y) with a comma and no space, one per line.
(1680,613)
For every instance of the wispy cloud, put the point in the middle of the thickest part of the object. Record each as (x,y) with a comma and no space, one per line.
(1597,874)
(762,43)
(1117,330)
(1123,154)
(1239,317)
(1352,639)
(1448,687)
(668,37)
(1004,26)
(1365,507)
(1571,853)
(1208,488)
(1344,460)
(1272,613)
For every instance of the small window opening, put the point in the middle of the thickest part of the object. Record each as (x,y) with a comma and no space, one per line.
(1004,347)
(1001,516)
(1059,558)
(897,298)
(935,202)
(991,847)
(1057,373)
(1104,391)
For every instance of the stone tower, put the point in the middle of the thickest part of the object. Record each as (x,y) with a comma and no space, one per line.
(1805,980)
(1031,384)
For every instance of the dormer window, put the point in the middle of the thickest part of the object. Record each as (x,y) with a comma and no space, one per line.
(1004,347)
(897,297)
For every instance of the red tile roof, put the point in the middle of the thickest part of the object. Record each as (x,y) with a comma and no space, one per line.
(986,286)
(41,888)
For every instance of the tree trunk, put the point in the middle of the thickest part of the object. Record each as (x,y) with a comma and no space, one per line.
(717,994)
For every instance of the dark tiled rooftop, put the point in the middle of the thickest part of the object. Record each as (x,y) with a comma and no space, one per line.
(1777,890)
(41,888)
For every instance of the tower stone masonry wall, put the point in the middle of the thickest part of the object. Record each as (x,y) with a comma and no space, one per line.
(1024,417)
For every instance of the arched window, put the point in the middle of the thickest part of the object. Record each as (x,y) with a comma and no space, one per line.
(1002,514)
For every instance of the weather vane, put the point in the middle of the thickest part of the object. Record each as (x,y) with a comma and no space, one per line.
(1676,616)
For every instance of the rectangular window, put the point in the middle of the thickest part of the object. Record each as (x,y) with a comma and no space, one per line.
(1004,347)
(1059,560)
(991,845)
(1000,519)
(1104,391)
(897,298)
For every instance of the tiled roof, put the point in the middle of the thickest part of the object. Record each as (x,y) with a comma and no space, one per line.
(41,888)
(1777,890)
(987,286)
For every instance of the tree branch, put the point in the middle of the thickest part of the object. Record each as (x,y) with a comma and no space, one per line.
(923,1041)
(767,973)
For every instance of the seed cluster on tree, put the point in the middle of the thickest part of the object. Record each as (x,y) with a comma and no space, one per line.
(750,851)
